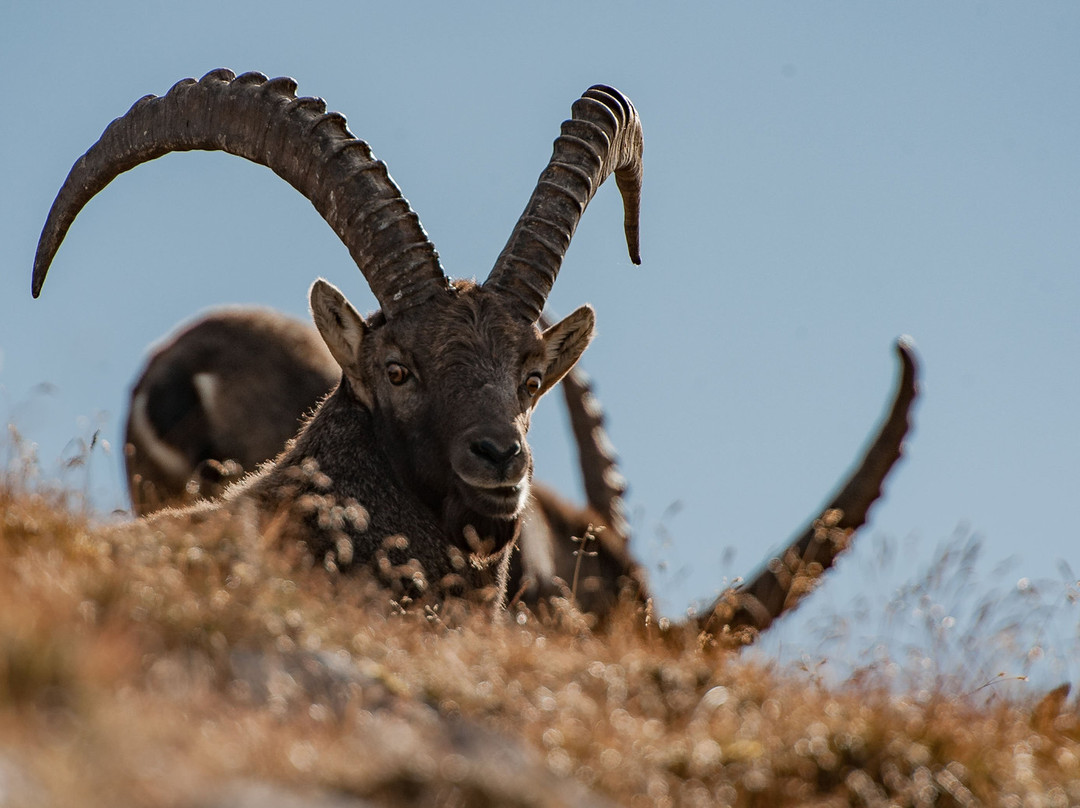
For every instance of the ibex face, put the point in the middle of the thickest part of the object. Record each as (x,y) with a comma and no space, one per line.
(451,386)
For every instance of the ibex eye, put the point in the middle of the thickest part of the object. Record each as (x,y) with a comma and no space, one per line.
(397,373)
(533,383)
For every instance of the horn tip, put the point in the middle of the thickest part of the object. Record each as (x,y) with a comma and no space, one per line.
(905,349)
(37,281)
(633,240)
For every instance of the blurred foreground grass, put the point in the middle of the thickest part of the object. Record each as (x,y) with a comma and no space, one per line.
(172,668)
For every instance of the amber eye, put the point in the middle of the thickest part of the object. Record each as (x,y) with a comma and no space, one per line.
(396,373)
(533,383)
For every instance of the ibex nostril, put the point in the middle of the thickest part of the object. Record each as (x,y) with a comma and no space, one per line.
(491,452)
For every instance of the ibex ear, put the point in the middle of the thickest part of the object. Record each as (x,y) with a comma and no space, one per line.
(564,343)
(343,330)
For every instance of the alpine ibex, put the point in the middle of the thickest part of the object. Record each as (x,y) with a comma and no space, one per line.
(419,454)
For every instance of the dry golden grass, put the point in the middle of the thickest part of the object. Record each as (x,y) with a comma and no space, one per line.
(164,667)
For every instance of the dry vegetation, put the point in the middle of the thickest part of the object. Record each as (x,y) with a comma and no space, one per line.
(168,668)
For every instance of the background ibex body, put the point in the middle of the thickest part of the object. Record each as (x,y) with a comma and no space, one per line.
(216,399)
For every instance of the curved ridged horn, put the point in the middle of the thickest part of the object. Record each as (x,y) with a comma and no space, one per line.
(263,121)
(786,579)
(602,136)
(605,487)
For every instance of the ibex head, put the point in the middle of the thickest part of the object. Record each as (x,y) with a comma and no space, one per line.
(447,372)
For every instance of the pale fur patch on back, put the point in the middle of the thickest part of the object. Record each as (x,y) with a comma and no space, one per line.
(162,454)
(207,385)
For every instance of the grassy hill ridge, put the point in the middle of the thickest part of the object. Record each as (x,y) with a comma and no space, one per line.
(169,667)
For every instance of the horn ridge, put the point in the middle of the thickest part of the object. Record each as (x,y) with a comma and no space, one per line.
(603,136)
(263,121)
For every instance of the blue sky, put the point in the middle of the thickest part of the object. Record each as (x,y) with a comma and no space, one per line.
(820,178)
